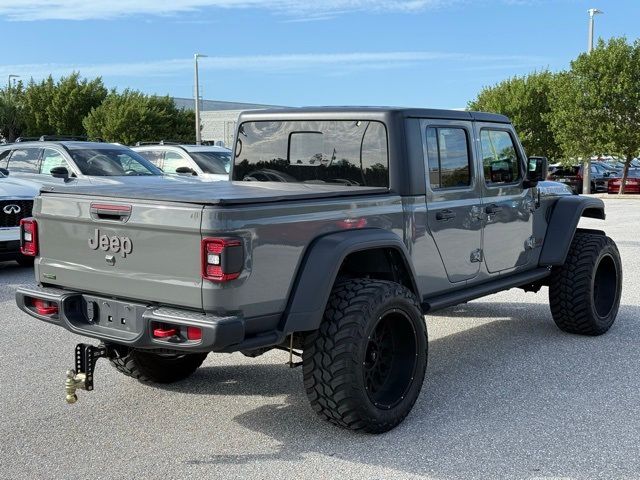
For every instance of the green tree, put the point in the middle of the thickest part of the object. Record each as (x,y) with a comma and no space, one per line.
(12,112)
(132,116)
(597,103)
(525,100)
(60,107)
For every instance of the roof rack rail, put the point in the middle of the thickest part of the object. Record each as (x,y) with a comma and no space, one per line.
(57,138)
(160,142)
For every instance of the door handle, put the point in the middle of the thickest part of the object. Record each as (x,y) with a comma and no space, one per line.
(493,209)
(445,215)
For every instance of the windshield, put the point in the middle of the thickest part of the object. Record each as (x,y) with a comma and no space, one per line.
(350,153)
(213,162)
(111,162)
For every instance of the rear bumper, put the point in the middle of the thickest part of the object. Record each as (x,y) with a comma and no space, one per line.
(130,323)
(9,249)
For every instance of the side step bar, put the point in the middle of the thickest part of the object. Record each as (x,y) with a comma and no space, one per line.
(476,291)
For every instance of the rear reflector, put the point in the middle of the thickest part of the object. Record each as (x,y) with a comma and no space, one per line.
(29,237)
(44,307)
(194,333)
(222,259)
(161,332)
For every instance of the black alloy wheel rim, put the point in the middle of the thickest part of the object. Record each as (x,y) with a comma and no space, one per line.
(605,286)
(390,359)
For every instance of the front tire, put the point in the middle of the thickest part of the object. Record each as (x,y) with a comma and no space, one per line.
(151,367)
(364,367)
(584,293)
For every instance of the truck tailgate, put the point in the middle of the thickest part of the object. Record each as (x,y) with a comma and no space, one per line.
(92,245)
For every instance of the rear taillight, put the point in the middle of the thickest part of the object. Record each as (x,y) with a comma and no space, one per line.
(44,307)
(29,237)
(222,259)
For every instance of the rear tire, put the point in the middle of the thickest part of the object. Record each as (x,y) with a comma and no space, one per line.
(150,367)
(364,367)
(584,293)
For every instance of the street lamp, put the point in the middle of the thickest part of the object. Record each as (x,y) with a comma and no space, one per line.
(197,97)
(592,13)
(586,176)
(9,81)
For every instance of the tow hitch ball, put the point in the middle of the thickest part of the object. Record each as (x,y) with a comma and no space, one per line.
(82,376)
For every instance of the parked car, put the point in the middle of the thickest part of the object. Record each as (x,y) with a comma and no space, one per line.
(16,201)
(572,176)
(207,162)
(632,184)
(76,162)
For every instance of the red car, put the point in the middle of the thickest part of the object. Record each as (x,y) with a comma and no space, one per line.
(632,184)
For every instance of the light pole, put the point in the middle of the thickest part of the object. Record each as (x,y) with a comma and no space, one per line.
(586,177)
(197,97)
(9,81)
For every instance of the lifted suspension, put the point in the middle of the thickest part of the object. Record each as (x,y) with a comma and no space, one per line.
(82,376)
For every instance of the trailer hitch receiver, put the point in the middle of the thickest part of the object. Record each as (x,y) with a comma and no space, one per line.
(82,376)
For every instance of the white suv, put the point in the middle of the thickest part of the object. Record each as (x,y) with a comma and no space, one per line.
(208,163)
(16,201)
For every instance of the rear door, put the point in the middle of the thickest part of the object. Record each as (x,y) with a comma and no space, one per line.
(140,250)
(25,163)
(507,206)
(453,198)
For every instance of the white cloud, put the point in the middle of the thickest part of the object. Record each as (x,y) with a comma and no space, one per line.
(27,10)
(320,63)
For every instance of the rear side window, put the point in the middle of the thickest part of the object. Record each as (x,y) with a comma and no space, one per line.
(24,160)
(173,161)
(449,159)
(349,153)
(499,157)
(51,159)
(154,156)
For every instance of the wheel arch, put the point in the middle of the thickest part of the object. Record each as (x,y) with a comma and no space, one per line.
(326,258)
(563,224)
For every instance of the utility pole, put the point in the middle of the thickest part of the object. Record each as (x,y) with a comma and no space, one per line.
(197,97)
(586,168)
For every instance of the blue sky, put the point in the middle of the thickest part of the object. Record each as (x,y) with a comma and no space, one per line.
(423,53)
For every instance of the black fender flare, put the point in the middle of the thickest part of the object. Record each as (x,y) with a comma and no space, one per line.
(319,269)
(563,224)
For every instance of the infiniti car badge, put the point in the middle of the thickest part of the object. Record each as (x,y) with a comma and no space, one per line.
(11,209)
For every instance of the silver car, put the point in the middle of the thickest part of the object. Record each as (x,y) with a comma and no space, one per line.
(207,163)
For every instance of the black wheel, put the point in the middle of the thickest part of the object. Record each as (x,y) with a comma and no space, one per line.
(364,367)
(584,293)
(151,367)
(25,261)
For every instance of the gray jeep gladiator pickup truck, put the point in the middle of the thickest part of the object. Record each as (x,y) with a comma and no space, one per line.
(341,228)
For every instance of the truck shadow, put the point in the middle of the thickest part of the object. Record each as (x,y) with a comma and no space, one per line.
(513,397)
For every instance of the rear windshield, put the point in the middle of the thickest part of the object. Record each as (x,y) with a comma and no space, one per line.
(213,162)
(339,152)
(106,162)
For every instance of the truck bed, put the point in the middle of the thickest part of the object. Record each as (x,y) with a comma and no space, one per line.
(219,193)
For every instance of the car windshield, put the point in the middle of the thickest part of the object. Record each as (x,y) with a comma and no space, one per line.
(213,161)
(350,153)
(112,162)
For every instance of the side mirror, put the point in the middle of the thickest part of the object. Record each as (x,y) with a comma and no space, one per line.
(537,171)
(185,170)
(4,172)
(60,172)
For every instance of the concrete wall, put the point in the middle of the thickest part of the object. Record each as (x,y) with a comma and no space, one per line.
(219,125)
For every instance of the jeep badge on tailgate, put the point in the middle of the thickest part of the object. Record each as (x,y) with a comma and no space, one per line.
(115,244)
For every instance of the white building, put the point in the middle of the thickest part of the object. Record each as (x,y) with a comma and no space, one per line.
(218,118)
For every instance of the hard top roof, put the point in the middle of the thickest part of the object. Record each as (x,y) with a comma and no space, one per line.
(310,113)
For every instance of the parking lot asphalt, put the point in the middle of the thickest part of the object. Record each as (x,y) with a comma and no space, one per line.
(507,395)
